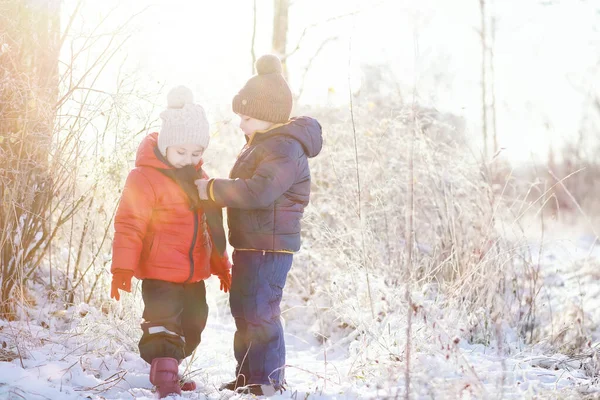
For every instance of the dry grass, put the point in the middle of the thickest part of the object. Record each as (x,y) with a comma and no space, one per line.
(58,165)
(457,243)
(467,269)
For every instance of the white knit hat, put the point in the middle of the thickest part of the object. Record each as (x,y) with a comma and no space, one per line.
(183,122)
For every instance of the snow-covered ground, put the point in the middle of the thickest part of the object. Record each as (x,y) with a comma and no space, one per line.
(90,353)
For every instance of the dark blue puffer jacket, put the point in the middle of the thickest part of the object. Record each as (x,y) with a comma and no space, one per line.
(269,187)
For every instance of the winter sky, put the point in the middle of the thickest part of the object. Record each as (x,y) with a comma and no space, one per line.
(546,54)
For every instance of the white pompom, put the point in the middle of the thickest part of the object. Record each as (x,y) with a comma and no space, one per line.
(179,96)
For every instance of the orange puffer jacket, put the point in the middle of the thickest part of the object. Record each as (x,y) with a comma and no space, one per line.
(157,234)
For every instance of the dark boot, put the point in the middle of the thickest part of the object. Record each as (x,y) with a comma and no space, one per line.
(164,375)
(234,384)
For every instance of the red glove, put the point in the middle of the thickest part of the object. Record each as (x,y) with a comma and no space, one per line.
(225,279)
(121,280)
(221,267)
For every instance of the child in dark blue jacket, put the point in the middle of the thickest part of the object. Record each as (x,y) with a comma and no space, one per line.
(265,195)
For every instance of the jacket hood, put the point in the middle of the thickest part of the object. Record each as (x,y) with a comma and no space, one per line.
(305,130)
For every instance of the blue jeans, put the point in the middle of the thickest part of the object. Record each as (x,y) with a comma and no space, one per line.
(257,285)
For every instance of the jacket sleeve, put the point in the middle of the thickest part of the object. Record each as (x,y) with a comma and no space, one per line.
(275,174)
(131,221)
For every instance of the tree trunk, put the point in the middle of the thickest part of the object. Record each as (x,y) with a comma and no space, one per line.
(28,91)
(483,80)
(280,30)
(493,85)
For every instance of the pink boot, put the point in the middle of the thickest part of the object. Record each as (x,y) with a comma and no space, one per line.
(164,375)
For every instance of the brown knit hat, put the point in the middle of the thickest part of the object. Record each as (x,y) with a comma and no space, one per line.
(266,96)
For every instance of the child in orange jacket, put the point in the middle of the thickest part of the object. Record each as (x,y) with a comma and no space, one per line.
(170,239)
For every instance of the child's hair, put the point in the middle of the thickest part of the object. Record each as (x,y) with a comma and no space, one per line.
(183,122)
(266,96)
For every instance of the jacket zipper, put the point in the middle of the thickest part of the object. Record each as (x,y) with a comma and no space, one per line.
(191,252)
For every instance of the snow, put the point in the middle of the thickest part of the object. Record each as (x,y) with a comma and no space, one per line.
(89,352)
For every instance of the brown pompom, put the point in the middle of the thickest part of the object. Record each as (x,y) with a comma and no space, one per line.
(268,64)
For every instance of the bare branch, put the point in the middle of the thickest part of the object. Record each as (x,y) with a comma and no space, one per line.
(252,53)
(69,24)
(312,59)
(312,26)
(101,56)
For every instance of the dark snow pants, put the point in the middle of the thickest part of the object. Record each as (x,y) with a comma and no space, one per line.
(174,317)
(257,285)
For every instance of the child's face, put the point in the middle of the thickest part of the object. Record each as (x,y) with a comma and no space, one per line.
(250,125)
(186,154)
